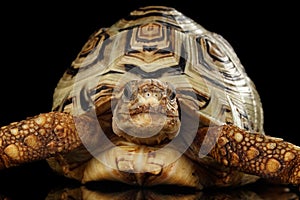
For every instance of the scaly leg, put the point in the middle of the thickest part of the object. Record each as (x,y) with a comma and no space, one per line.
(37,138)
(268,157)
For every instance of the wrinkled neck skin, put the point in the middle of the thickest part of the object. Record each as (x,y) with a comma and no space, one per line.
(147,112)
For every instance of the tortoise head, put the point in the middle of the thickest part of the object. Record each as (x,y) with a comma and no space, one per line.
(147,112)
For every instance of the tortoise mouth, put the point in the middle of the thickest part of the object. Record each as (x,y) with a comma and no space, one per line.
(146,109)
(150,128)
(151,119)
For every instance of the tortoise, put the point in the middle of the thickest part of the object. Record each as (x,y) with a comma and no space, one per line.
(155,99)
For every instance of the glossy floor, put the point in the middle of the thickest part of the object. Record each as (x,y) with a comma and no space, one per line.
(37,181)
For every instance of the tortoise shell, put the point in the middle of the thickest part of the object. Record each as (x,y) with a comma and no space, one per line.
(160,43)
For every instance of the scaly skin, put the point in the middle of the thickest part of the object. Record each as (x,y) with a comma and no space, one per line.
(37,138)
(267,157)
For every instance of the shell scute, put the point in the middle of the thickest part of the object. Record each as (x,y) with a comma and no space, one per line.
(159,42)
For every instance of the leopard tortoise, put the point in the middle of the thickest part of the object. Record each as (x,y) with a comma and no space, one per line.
(154,99)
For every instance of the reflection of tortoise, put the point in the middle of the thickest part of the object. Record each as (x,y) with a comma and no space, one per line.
(154,99)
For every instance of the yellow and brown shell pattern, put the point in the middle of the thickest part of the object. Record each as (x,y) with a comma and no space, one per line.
(161,43)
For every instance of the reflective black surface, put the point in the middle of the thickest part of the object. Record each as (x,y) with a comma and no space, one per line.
(37,181)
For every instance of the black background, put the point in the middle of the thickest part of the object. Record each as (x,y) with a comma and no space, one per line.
(39,40)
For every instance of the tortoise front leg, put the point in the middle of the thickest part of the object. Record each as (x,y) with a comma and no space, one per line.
(37,138)
(257,154)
